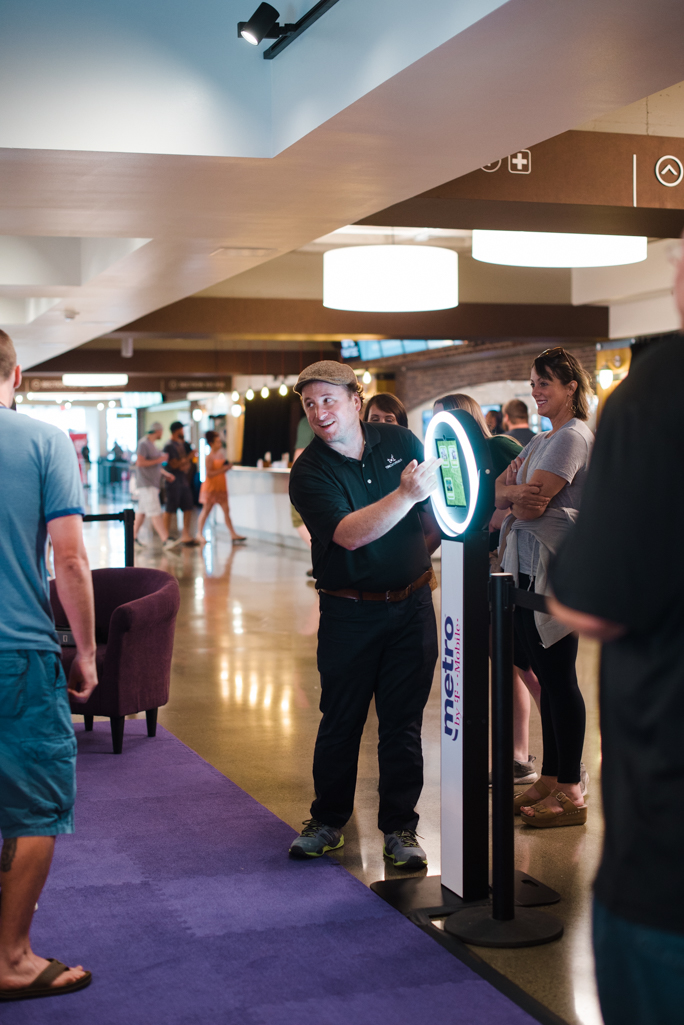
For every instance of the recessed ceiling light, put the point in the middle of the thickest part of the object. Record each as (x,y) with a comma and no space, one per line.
(94,380)
(242,251)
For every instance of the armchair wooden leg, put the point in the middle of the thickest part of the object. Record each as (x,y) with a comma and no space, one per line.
(151,715)
(88,721)
(117,724)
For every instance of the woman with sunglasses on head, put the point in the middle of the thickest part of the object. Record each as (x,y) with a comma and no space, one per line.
(542,489)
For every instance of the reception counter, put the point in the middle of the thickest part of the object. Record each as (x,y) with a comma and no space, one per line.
(260,506)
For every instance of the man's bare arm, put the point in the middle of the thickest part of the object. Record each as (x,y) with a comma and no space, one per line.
(433,535)
(368,524)
(591,626)
(75,590)
(141,461)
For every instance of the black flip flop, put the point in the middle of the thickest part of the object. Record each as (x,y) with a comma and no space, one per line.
(42,984)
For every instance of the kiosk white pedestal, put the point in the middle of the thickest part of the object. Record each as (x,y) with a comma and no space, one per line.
(464,720)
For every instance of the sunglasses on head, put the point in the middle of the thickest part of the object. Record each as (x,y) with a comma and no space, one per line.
(558,352)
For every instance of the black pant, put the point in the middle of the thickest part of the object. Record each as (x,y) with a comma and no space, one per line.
(386,649)
(563,713)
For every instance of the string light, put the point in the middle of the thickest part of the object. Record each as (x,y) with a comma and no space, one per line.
(283,389)
(265,392)
(249,394)
(235,396)
(367,377)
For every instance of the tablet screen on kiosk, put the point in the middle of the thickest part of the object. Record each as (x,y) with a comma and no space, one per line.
(452,478)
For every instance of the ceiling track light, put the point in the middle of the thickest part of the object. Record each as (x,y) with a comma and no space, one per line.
(264,25)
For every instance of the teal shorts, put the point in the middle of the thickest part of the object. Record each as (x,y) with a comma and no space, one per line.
(37,746)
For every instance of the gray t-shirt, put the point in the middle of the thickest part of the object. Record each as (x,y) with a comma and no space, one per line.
(564,452)
(148,476)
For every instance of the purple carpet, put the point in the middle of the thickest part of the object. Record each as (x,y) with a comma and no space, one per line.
(176,892)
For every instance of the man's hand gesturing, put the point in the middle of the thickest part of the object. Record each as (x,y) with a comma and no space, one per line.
(418,480)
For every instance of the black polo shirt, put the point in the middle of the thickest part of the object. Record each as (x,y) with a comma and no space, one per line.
(326,486)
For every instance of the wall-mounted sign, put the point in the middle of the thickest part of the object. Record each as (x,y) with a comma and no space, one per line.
(195,384)
(464,498)
(520,162)
(669,171)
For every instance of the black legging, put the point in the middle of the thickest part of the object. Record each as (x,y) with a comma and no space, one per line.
(563,714)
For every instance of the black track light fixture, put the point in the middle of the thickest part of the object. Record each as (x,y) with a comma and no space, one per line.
(264,25)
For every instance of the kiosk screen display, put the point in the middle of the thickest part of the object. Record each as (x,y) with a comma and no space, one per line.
(452,478)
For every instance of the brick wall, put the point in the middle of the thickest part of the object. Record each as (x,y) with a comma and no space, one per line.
(423,380)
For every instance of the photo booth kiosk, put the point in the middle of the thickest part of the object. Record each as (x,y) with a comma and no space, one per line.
(463,505)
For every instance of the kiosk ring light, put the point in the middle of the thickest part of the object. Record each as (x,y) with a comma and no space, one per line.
(461,500)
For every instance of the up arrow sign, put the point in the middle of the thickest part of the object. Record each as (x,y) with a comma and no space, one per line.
(669,171)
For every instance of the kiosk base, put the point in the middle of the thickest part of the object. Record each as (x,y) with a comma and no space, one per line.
(529,928)
(426,893)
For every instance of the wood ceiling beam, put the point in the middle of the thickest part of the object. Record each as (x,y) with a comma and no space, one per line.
(309,319)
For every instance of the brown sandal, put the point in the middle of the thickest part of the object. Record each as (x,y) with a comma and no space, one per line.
(42,984)
(522,799)
(544,817)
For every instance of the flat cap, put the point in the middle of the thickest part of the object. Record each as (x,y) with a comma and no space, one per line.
(329,371)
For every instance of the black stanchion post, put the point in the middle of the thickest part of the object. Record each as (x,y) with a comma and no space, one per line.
(128,516)
(503,854)
(503,925)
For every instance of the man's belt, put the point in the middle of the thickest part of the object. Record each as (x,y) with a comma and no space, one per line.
(402,595)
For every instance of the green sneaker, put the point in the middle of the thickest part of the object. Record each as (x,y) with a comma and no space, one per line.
(403,849)
(316,839)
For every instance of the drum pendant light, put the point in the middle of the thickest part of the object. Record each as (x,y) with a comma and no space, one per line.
(557,249)
(390,279)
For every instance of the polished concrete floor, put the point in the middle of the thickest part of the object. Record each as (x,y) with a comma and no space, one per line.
(244,695)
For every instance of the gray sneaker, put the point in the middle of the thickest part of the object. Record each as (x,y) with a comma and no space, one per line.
(316,839)
(171,542)
(525,772)
(403,849)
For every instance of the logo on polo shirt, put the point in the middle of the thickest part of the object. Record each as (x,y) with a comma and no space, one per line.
(392,461)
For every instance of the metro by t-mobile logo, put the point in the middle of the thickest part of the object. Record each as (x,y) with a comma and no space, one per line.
(451,668)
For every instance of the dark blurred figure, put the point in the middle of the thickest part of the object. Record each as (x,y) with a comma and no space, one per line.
(627,593)
(494,421)
(385,408)
(515,421)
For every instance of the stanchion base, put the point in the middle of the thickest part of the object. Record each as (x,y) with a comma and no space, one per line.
(529,928)
(530,893)
(422,893)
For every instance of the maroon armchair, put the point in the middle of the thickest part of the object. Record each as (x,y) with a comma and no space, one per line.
(135,619)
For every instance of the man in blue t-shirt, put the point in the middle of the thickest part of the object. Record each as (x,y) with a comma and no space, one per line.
(41,495)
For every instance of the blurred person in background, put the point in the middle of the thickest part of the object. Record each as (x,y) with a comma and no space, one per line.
(626,592)
(502,450)
(542,489)
(494,420)
(515,421)
(385,408)
(41,494)
(178,492)
(148,474)
(214,490)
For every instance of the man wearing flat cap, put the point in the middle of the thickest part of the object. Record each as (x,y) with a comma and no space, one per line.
(362,492)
